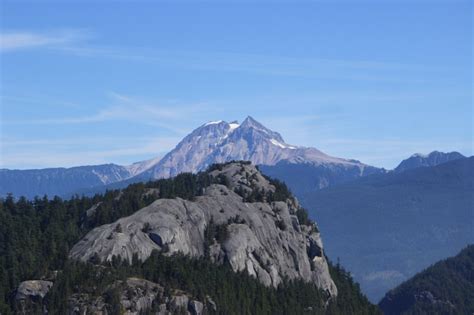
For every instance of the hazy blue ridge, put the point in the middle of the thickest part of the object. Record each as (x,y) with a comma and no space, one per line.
(385,228)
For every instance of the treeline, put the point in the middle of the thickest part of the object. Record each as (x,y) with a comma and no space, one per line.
(116,204)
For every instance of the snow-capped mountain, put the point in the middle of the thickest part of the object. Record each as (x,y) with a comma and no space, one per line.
(423,160)
(219,141)
(214,142)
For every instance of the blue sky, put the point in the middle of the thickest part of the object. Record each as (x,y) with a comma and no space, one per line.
(98,82)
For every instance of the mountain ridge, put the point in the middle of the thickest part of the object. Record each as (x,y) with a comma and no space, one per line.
(423,160)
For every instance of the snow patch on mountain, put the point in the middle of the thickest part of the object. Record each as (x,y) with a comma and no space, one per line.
(213,122)
(421,155)
(233,126)
(103,178)
(281,145)
(142,166)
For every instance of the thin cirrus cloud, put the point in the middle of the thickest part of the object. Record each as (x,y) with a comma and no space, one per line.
(19,40)
(261,64)
(146,115)
(79,43)
(172,117)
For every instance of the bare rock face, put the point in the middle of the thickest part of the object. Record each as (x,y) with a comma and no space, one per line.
(264,238)
(29,296)
(33,288)
(219,142)
(196,307)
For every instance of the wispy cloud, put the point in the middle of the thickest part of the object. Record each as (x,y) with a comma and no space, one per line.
(16,40)
(262,64)
(78,43)
(169,115)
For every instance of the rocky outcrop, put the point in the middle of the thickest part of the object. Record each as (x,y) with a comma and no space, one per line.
(132,297)
(33,288)
(29,296)
(263,238)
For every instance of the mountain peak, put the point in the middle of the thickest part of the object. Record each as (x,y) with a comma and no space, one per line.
(219,141)
(432,159)
(250,122)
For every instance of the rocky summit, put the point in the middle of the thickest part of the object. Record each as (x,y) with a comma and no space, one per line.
(241,219)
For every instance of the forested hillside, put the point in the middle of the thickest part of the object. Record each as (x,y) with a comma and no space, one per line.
(36,237)
(447,287)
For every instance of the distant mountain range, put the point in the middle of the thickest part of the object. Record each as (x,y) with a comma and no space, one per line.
(213,142)
(384,228)
(447,287)
(304,169)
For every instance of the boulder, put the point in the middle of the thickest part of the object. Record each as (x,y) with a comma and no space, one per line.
(33,289)
(29,296)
